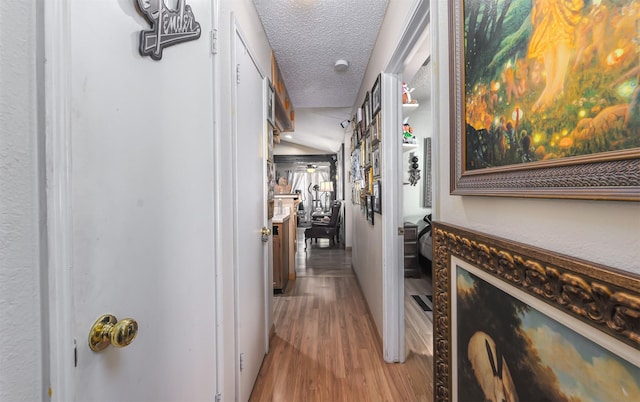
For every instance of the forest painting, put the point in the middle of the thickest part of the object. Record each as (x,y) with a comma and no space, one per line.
(517,353)
(549,79)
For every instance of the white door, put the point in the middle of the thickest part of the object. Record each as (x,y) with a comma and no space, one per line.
(250,218)
(141,187)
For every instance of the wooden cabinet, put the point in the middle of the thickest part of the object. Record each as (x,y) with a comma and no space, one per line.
(280,233)
(291,202)
(411,267)
(285,117)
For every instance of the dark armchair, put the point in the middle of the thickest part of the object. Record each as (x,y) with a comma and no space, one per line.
(326,230)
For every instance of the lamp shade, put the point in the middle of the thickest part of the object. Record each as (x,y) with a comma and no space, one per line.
(326,186)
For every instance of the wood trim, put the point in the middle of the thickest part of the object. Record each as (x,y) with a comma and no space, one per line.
(333,158)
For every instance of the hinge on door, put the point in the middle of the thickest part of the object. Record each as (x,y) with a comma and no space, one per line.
(238,74)
(75,353)
(214,41)
(218,397)
(241,361)
(400,231)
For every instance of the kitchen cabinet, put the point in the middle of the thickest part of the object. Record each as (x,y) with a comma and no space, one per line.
(280,234)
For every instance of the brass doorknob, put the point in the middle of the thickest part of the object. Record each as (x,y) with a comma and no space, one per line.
(265,233)
(107,330)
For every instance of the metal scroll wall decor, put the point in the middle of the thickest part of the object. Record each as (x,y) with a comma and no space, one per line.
(427,176)
(414,172)
(168,27)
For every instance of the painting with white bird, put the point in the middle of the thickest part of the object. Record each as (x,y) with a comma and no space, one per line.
(511,349)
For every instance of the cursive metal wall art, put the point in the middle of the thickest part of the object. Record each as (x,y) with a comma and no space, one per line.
(168,27)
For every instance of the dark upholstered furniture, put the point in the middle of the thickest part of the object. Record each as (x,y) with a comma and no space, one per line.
(325,230)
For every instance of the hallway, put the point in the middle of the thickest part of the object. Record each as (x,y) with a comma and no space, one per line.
(325,346)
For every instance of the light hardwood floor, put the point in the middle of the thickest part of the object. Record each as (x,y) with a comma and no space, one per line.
(325,346)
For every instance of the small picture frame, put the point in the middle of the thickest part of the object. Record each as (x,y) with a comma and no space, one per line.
(370,180)
(376,98)
(377,194)
(375,162)
(367,110)
(373,130)
(370,214)
(359,120)
(378,132)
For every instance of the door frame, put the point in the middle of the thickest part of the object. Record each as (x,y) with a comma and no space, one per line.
(393,256)
(57,84)
(237,34)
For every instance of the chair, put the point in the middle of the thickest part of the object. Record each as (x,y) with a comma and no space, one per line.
(326,230)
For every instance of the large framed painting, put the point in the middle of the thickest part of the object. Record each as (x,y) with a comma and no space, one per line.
(545,98)
(518,323)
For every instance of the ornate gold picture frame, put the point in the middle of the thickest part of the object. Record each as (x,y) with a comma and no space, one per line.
(545,112)
(531,320)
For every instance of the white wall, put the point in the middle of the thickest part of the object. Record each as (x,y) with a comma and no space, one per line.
(319,128)
(367,240)
(367,261)
(21,218)
(606,232)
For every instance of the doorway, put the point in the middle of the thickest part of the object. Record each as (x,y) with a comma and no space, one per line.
(249,215)
(408,58)
(417,203)
(314,178)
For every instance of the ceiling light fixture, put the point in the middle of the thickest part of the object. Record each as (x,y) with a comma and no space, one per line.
(341,65)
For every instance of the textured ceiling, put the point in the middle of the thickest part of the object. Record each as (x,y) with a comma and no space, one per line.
(309,36)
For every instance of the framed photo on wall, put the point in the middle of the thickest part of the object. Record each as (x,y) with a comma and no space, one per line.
(375,161)
(377,194)
(367,110)
(377,122)
(376,97)
(540,114)
(370,208)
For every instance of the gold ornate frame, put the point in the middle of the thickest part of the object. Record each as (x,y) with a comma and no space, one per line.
(613,175)
(604,298)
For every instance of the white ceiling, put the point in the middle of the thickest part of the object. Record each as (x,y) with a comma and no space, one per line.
(309,36)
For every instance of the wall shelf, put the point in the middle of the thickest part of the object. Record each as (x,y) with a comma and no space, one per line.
(408,108)
(408,147)
(284,114)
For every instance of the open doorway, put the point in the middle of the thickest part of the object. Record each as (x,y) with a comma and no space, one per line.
(314,178)
(406,63)
(417,203)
